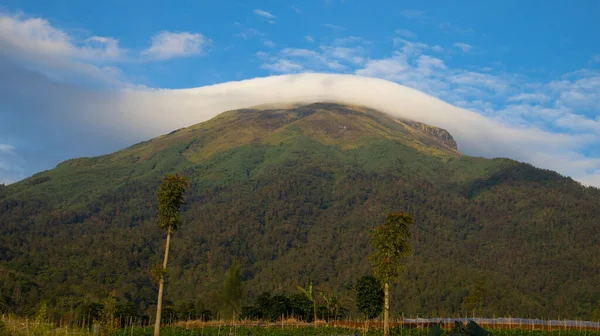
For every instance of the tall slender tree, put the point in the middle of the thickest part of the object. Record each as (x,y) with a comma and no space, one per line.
(169,198)
(391,243)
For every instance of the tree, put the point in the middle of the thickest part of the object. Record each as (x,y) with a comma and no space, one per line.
(475,299)
(301,307)
(309,293)
(369,296)
(334,308)
(232,288)
(169,198)
(109,311)
(391,244)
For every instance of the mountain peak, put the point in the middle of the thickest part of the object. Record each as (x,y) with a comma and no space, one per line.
(343,126)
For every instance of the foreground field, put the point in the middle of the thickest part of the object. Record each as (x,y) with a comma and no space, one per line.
(46,330)
(323,331)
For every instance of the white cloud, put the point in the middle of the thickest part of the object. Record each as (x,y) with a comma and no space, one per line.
(529,97)
(335,57)
(481,80)
(437,48)
(269,44)
(296,9)
(4,148)
(34,43)
(166,45)
(406,33)
(351,55)
(333,26)
(410,48)
(264,14)
(430,64)
(262,55)
(463,46)
(389,68)
(476,134)
(579,90)
(312,58)
(578,123)
(36,38)
(36,35)
(282,66)
(309,39)
(249,33)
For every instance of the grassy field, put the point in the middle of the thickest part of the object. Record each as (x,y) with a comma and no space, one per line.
(28,328)
(322,331)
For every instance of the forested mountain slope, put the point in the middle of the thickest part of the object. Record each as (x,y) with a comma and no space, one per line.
(292,193)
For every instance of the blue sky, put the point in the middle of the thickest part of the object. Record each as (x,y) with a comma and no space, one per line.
(532,66)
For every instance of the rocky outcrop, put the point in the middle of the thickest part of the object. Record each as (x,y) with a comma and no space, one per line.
(438,133)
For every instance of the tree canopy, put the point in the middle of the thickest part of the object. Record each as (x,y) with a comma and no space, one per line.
(392,244)
(369,296)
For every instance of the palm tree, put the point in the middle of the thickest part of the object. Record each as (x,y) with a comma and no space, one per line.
(169,198)
(391,243)
(309,293)
(333,305)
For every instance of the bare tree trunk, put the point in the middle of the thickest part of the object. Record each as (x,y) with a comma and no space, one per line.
(161,286)
(386,310)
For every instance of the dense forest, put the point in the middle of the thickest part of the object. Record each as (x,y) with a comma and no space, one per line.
(292,195)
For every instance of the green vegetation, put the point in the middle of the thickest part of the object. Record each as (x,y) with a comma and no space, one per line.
(277,331)
(169,199)
(369,296)
(391,243)
(291,195)
(232,290)
(309,293)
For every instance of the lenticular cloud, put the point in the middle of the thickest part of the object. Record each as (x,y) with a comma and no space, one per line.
(164,110)
(97,121)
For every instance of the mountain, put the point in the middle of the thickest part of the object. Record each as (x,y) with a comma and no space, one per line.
(291,192)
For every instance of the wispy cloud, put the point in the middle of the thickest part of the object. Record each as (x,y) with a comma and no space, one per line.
(463,46)
(437,48)
(296,9)
(269,44)
(264,14)
(529,97)
(414,14)
(335,57)
(166,45)
(333,26)
(283,66)
(455,29)
(249,33)
(309,39)
(406,33)
(4,148)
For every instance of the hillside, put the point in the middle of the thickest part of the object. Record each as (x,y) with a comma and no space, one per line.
(292,192)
